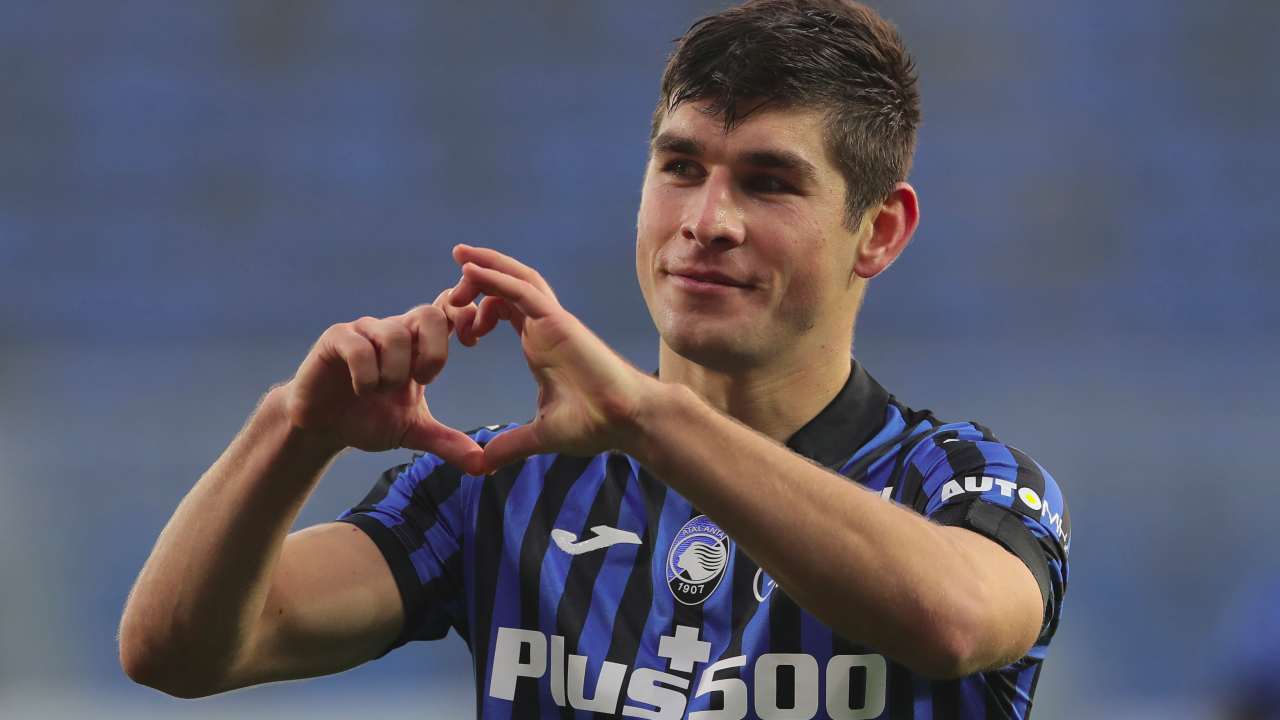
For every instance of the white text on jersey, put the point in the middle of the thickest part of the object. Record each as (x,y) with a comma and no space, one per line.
(659,695)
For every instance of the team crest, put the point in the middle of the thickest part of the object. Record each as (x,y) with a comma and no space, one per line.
(696,563)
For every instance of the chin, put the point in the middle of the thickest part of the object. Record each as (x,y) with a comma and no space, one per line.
(722,350)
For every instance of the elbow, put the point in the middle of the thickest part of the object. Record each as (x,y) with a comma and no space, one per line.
(939,648)
(950,644)
(968,642)
(948,655)
(145,663)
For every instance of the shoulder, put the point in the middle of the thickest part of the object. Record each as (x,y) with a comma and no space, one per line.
(945,463)
(961,474)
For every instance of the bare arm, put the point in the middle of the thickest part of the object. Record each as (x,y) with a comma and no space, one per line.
(226,600)
(195,621)
(944,601)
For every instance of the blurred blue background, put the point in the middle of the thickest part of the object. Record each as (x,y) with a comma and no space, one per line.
(191,192)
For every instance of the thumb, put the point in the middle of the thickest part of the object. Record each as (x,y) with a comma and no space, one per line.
(457,448)
(515,444)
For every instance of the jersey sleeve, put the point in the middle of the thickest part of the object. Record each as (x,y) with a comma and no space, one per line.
(415,514)
(964,477)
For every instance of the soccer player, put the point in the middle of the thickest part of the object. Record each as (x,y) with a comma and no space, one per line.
(758,530)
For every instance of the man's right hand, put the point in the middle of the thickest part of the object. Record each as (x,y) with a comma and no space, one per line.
(362,385)
(228,597)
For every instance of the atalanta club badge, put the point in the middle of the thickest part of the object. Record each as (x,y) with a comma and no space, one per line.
(697,561)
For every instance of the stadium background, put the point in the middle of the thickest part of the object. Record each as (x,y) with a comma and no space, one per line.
(191,192)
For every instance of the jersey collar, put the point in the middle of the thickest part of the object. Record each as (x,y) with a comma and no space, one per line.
(850,420)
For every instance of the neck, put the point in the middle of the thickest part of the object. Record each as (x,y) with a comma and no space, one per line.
(775,399)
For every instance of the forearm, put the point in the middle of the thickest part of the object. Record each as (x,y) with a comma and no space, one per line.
(202,590)
(876,573)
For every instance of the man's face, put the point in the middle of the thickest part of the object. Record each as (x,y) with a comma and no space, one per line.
(742,252)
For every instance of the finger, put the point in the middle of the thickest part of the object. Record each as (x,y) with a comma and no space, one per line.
(498,308)
(430,330)
(457,316)
(518,293)
(492,309)
(464,292)
(442,302)
(457,448)
(359,355)
(464,320)
(512,446)
(394,343)
(490,258)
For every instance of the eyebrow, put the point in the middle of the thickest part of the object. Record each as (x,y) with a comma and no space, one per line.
(773,159)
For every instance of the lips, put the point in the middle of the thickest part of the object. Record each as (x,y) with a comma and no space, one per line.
(709,276)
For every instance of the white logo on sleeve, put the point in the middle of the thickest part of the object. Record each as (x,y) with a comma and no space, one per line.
(1029,498)
(605,536)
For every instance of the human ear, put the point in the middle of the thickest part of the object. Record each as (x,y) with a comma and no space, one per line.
(892,225)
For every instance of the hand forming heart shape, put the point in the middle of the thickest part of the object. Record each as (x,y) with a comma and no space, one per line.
(589,397)
(362,384)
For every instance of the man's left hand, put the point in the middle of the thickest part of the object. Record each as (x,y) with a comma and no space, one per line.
(589,398)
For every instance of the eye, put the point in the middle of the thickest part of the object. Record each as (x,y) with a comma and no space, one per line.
(682,169)
(768,184)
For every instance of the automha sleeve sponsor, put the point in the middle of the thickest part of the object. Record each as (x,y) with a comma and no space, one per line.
(970,479)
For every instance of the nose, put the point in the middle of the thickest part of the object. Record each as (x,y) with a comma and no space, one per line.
(714,217)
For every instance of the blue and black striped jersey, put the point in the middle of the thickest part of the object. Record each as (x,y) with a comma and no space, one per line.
(585,587)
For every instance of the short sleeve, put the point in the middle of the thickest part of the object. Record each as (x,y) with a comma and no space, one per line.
(414,514)
(962,476)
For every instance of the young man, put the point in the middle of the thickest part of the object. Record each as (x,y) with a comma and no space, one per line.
(760,530)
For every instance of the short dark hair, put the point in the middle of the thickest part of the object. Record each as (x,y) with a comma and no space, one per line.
(835,56)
